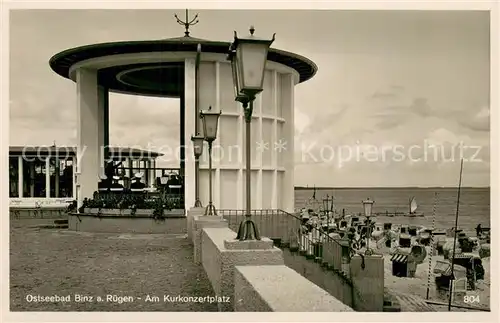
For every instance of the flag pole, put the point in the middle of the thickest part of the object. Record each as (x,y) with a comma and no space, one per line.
(455,236)
(432,243)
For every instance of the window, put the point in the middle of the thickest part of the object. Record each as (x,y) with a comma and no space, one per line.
(61,177)
(13,177)
(40,179)
(33,177)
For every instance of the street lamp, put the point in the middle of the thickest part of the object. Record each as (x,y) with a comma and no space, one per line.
(368,205)
(248,58)
(198,151)
(210,121)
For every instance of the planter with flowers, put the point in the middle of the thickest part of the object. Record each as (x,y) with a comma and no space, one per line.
(126,204)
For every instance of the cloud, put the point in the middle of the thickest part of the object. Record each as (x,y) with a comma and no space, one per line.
(477,121)
(326,120)
(302,121)
(420,106)
(383,95)
(444,136)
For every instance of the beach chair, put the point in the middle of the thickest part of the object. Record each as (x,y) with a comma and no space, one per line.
(458,287)
(382,242)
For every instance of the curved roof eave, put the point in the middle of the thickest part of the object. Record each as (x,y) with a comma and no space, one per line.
(62,61)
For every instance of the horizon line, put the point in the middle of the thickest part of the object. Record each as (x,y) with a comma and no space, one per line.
(380,187)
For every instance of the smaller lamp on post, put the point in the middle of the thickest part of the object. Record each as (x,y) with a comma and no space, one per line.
(367,206)
(198,151)
(210,121)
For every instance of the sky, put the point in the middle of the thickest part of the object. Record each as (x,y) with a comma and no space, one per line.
(398,98)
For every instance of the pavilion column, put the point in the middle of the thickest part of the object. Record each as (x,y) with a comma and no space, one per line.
(189,130)
(91,103)
(104,123)
(288,191)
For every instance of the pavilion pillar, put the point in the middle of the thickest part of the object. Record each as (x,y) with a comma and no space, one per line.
(189,130)
(104,123)
(287,190)
(91,105)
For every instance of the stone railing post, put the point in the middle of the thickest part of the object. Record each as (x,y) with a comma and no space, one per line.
(368,282)
(199,223)
(191,213)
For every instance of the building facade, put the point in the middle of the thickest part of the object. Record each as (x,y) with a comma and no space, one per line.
(45,176)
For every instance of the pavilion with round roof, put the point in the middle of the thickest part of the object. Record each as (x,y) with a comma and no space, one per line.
(168,68)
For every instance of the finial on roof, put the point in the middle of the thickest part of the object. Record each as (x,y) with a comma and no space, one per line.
(187,23)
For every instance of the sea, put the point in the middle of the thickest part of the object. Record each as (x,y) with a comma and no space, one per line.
(437,203)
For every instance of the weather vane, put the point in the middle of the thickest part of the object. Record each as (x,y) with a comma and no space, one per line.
(187,23)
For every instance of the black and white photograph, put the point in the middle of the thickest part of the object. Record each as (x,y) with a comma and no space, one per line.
(250,160)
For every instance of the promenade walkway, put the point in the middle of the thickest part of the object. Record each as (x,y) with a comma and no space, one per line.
(49,262)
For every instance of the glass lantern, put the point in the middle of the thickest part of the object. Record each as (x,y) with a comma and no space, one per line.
(249,57)
(210,123)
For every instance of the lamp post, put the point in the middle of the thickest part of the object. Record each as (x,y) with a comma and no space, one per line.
(210,121)
(248,58)
(198,151)
(367,206)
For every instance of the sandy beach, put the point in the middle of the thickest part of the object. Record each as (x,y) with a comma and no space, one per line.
(417,286)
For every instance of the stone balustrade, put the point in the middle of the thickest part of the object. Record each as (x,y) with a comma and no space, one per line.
(268,288)
(242,271)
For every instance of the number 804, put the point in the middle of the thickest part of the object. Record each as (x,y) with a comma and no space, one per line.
(470,299)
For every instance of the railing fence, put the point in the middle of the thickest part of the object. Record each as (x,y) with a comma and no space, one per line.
(286,229)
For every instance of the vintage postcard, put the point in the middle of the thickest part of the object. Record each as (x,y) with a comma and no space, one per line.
(205,161)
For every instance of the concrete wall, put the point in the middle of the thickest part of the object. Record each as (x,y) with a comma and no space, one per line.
(199,223)
(190,214)
(368,283)
(253,273)
(88,223)
(219,262)
(321,276)
(268,288)
(41,213)
(363,291)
